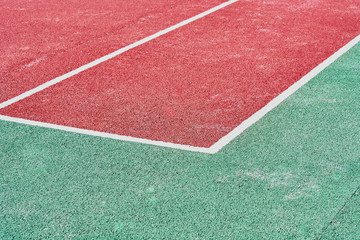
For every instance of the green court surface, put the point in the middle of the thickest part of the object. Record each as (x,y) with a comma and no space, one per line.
(346,224)
(295,174)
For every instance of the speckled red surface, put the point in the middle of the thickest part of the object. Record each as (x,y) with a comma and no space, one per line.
(197,83)
(43,39)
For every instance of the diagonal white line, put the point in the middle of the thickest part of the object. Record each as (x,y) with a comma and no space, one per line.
(216,146)
(111,55)
(280,98)
(224,140)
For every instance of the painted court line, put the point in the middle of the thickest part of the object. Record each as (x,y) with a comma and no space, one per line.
(224,140)
(105,135)
(111,55)
(282,96)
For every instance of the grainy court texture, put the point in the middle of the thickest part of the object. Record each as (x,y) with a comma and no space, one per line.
(108,110)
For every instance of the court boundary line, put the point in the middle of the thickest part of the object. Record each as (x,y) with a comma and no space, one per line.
(223,141)
(282,96)
(105,135)
(112,55)
(218,145)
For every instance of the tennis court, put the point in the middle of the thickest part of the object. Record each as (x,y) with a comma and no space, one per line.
(180,119)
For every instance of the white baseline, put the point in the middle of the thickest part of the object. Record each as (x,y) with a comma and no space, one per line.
(105,135)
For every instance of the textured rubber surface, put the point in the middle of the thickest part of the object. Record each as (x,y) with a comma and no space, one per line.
(346,224)
(43,39)
(286,177)
(194,85)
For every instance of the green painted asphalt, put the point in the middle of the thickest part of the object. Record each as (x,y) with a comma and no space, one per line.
(293,175)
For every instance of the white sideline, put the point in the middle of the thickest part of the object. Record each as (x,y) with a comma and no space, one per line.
(111,55)
(281,97)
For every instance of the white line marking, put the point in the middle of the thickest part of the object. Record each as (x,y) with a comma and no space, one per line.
(224,140)
(280,98)
(105,135)
(111,55)
(220,143)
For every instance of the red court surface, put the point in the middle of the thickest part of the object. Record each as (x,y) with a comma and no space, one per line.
(43,39)
(195,84)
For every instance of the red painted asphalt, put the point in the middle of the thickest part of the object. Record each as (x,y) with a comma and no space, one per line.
(197,83)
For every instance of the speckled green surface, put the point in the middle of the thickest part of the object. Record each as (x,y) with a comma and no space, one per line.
(292,175)
(346,223)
